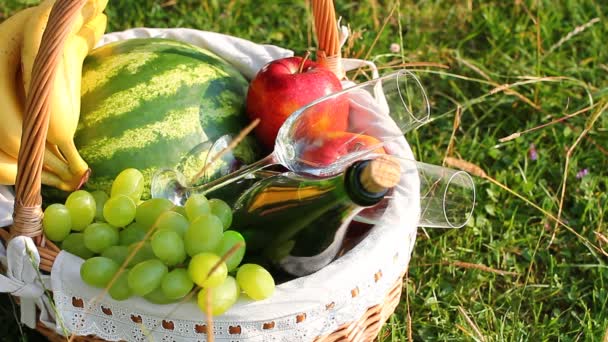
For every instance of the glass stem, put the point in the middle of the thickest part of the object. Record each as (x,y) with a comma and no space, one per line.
(236,175)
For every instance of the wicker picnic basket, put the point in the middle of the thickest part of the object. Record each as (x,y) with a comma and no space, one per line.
(27,210)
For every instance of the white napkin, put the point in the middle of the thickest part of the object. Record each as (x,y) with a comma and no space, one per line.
(246,56)
(23,279)
(6,205)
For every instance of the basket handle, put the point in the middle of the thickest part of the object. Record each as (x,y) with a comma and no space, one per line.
(328,36)
(27,216)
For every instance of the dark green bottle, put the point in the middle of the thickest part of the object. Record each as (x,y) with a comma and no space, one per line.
(297,224)
(231,193)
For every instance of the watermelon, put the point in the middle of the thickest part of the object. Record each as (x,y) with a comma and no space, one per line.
(152,103)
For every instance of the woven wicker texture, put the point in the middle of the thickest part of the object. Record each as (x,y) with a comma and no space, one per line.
(28,215)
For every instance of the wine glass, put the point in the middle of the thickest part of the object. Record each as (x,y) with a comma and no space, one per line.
(173,185)
(443,197)
(376,112)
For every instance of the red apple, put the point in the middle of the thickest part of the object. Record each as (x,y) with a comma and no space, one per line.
(285,85)
(329,147)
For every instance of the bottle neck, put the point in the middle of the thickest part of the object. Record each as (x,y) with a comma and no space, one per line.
(355,189)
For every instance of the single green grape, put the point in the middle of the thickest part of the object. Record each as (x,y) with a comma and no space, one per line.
(120,289)
(197,205)
(133,233)
(116,253)
(200,266)
(230,239)
(168,246)
(99,235)
(100,200)
(74,244)
(176,284)
(222,296)
(98,271)
(222,210)
(119,210)
(148,212)
(57,222)
(170,220)
(144,252)
(129,182)
(203,235)
(146,276)
(158,297)
(255,281)
(82,208)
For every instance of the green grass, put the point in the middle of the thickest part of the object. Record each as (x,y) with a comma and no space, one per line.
(539,282)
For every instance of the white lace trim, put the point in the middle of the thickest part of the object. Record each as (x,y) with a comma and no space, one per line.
(318,320)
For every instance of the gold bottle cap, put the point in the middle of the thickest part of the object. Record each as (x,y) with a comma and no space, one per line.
(380,174)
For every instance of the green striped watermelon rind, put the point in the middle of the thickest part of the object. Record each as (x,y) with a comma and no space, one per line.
(161,89)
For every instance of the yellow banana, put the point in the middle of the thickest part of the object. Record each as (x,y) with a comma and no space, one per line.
(90,34)
(65,95)
(37,24)
(77,48)
(8,174)
(11,92)
(55,150)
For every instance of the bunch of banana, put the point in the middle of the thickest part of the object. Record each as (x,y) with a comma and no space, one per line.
(20,37)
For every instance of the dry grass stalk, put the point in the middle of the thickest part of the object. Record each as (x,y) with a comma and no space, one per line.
(225,257)
(533,80)
(471,324)
(347,49)
(399,64)
(564,118)
(577,30)
(585,131)
(603,239)
(465,166)
(497,85)
(464,330)
(477,171)
(455,126)
(539,51)
(480,267)
(408,312)
(528,80)
(169,3)
(474,68)
(386,21)
(521,3)
(374,6)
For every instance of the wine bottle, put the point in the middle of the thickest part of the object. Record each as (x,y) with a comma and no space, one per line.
(297,224)
(231,192)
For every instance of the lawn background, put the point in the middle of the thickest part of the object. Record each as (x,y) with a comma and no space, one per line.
(512,274)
